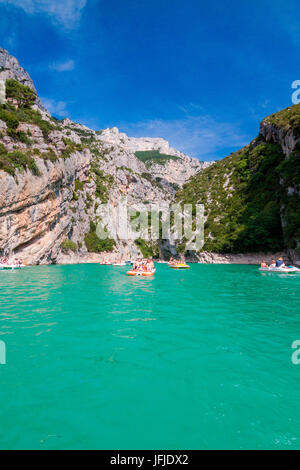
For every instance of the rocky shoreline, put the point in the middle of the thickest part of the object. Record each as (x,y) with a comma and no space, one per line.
(203,257)
(241,258)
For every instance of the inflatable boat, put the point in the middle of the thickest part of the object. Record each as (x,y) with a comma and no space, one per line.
(287,269)
(11,266)
(179,266)
(141,273)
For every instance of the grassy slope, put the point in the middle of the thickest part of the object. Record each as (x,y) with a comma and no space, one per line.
(149,157)
(243,198)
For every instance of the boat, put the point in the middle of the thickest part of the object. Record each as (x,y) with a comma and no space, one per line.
(11,266)
(179,266)
(287,269)
(141,273)
(119,264)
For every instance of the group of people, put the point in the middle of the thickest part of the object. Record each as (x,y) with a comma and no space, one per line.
(279,263)
(141,265)
(5,261)
(173,261)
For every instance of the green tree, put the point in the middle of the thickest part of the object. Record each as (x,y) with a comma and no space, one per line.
(22,94)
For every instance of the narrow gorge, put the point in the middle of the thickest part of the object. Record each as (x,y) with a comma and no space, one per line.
(55,174)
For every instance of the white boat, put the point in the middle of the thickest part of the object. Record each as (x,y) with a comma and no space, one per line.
(287,269)
(119,264)
(11,266)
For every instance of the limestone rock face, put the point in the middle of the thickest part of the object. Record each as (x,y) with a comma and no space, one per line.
(174,171)
(288,139)
(35,214)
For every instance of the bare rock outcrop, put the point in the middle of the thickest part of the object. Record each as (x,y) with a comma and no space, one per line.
(173,171)
(10,68)
(35,214)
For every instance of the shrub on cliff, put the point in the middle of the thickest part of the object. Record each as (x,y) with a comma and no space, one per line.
(10,161)
(19,135)
(71,147)
(150,157)
(12,117)
(148,249)
(288,118)
(8,117)
(79,185)
(103,183)
(94,244)
(23,95)
(68,245)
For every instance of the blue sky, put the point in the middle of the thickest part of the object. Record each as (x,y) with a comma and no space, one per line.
(200,74)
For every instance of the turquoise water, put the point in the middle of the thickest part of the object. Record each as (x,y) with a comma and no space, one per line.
(197,359)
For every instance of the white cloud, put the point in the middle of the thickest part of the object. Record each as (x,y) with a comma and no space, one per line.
(66,13)
(198,136)
(55,107)
(63,66)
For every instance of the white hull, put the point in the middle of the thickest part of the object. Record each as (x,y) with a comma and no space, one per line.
(11,266)
(280,270)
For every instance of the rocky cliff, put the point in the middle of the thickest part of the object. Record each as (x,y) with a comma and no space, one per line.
(54,176)
(174,170)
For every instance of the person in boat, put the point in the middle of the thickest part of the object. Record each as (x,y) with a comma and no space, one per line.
(263,264)
(135,265)
(149,266)
(144,264)
(279,263)
(273,264)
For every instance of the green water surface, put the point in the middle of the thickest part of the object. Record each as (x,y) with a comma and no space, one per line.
(197,359)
